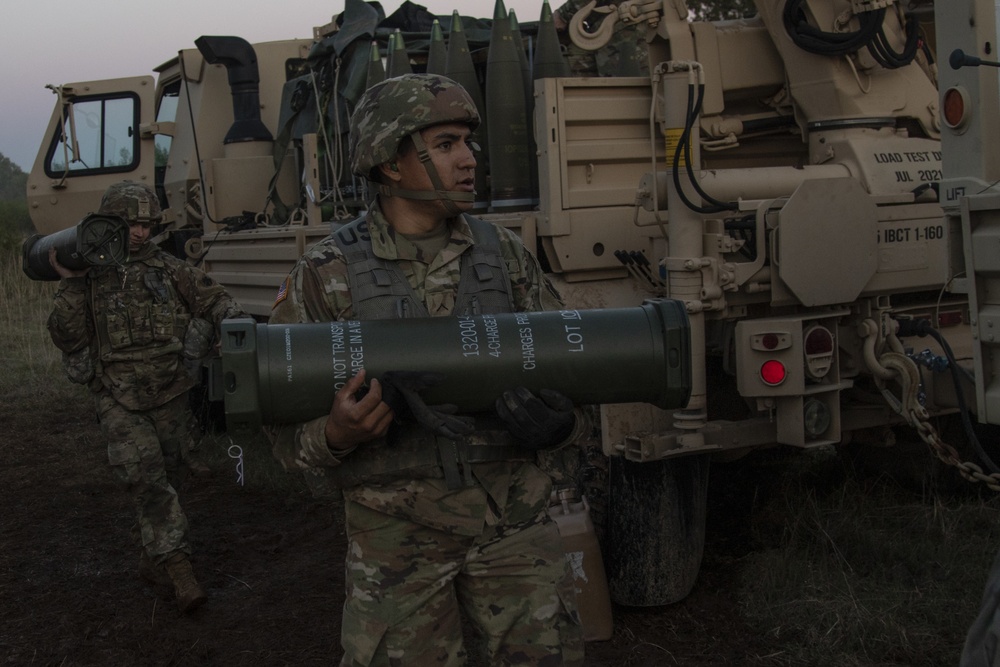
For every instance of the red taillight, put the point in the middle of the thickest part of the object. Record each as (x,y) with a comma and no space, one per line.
(773,372)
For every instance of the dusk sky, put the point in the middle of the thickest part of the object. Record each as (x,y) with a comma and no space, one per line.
(80,40)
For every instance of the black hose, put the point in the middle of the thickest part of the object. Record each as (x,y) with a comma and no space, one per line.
(870,35)
(923,328)
(684,144)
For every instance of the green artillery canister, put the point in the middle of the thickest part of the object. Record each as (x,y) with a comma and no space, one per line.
(97,240)
(286,373)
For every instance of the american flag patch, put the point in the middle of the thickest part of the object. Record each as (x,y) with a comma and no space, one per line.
(282,293)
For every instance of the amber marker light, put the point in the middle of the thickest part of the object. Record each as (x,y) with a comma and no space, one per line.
(954,108)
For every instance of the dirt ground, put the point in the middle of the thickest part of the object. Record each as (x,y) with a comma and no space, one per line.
(270,561)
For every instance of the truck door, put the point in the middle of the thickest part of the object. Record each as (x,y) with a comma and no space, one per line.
(93,139)
(970,114)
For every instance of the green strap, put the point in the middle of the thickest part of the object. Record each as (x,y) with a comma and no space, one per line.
(448,458)
(282,212)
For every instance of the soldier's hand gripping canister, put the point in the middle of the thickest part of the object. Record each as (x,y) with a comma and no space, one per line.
(97,240)
(286,373)
(401,390)
(538,421)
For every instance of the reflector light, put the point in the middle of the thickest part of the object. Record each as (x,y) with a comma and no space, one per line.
(769,341)
(953,108)
(950,319)
(772,372)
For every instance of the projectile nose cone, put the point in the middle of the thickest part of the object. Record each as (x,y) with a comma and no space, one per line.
(546,15)
(499,11)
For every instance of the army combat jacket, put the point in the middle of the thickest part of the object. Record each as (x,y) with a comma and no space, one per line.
(129,323)
(317,290)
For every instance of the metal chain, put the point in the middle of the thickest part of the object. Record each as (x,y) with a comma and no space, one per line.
(917,416)
(900,367)
(949,454)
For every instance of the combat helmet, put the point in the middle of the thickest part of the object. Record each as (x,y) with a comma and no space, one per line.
(135,202)
(401,107)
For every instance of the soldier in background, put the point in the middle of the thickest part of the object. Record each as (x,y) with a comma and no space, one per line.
(132,334)
(625,54)
(982,643)
(445,514)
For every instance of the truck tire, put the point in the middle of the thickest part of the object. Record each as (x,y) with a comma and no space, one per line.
(655,529)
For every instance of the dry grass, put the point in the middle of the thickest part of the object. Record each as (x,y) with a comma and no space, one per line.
(31,363)
(864,572)
(246,459)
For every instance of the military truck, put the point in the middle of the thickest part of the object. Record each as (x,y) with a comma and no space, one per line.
(812,182)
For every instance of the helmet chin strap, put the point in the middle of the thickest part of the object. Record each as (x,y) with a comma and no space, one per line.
(448,197)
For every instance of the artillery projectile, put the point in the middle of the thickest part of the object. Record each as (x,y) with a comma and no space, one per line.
(356,75)
(462,70)
(529,104)
(376,70)
(522,56)
(437,52)
(286,373)
(460,66)
(97,240)
(510,171)
(549,61)
(399,60)
(390,47)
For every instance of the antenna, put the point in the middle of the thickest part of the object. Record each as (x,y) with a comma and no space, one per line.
(960,58)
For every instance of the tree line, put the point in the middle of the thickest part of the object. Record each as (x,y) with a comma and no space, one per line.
(15,223)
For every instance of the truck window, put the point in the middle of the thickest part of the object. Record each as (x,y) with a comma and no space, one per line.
(99,135)
(166,112)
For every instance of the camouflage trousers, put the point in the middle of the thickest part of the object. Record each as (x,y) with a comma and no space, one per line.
(146,450)
(408,585)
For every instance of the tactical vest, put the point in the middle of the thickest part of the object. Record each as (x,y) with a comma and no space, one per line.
(140,323)
(137,310)
(380,290)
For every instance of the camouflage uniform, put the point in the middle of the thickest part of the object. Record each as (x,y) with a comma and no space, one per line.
(982,643)
(122,331)
(625,54)
(419,550)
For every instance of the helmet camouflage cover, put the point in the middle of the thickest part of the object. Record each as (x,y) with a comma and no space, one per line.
(135,202)
(395,108)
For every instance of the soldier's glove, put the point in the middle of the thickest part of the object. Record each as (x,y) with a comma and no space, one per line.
(197,345)
(79,366)
(538,422)
(401,391)
(198,339)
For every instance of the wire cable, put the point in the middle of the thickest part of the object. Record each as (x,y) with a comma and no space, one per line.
(869,35)
(923,328)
